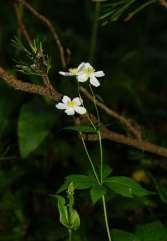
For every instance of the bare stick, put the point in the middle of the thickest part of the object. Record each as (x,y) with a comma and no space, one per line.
(28,87)
(22,27)
(43,19)
(106,133)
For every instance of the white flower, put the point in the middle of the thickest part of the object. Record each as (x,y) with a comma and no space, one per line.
(73,71)
(71,106)
(85,72)
(88,72)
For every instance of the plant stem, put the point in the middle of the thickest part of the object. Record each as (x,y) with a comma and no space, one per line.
(101,157)
(106,218)
(69,234)
(90,160)
(94,31)
(85,108)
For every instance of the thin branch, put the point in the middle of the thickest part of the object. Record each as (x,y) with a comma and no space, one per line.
(22,27)
(163,3)
(106,133)
(113,114)
(51,28)
(122,139)
(28,87)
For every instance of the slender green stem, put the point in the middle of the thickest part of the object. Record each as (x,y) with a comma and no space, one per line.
(101,157)
(99,135)
(94,31)
(106,218)
(85,108)
(95,105)
(89,158)
(69,234)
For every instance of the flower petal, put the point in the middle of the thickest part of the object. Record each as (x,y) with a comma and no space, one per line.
(82,78)
(81,66)
(80,110)
(65,73)
(70,111)
(78,100)
(99,74)
(66,99)
(88,65)
(61,106)
(94,81)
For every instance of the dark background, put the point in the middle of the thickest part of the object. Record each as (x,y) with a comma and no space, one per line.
(133,55)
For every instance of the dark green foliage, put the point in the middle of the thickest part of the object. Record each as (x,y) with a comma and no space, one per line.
(40,146)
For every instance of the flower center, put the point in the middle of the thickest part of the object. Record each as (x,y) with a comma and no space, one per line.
(88,71)
(71,103)
(73,71)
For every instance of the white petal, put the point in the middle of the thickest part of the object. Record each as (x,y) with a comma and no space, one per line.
(99,73)
(66,99)
(81,66)
(82,78)
(94,81)
(70,111)
(65,73)
(80,110)
(61,106)
(78,100)
(88,65)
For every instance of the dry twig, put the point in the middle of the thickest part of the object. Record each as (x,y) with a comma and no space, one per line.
(106,133)
(50,26)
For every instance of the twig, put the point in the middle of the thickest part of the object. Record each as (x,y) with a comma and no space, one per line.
(22,27)
(106,133)
(28,87)
(163,3)
(114,114)
(43,19)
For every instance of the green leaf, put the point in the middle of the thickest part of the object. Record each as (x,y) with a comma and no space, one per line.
(106,171)
(35,122)
(120,235)
(63,212)
(82,128)
(96,193)
(126,187)
(154,231)
(74,219)
(80,181)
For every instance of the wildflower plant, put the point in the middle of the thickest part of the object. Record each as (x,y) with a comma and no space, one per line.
(98,180)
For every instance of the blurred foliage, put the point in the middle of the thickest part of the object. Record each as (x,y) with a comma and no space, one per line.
(36,152)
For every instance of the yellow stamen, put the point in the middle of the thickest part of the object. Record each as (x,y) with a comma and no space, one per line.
(88,71)
(73,71)
(71,103)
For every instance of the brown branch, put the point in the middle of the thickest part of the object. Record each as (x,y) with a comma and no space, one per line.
(22,27)
(163,3)
(122,139)
(51,28)
(28,87)
(113,114)
(106,133)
